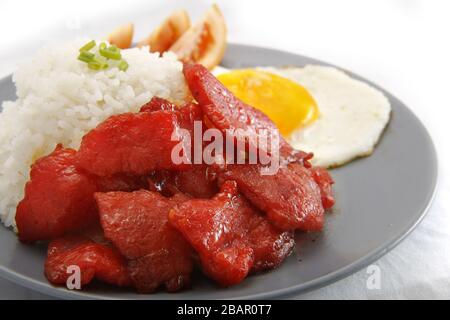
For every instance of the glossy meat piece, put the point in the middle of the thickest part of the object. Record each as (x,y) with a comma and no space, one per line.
(230,236)
(130,143)
(325,182)
(121,182)
(197,182)
(189,113)
(58,198)
(216,229)
(137,224)
(186,114)
(290,198)
(95,260)
(158,104)
(225,111)
(162,181)
(270,245)
(221,107)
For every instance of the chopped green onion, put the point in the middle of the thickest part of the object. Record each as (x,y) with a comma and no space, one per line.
(103,61)
(110,54)
(123,65)
(100,60)
(95,65)
(88,46)
(86,56)
(114,48)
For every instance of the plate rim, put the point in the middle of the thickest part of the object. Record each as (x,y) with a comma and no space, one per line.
(322,281)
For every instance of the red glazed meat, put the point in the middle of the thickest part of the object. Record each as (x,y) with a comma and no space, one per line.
(230,236)
(325,182)
(158,104)
(216,229)
(197,182)
(162,181)
(186,114)
(137,224)
(130,143)
(221,107)
(291,199)
(270,245)
(58,198)
(94,260)
(227,112)
(121,182)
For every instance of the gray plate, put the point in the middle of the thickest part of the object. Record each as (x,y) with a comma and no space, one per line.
(380,199)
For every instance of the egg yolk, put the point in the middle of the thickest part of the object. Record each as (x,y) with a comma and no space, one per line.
(285,102)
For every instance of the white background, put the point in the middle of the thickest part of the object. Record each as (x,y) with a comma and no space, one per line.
(402,45)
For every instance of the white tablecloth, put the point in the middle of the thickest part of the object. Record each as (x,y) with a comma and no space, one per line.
(400,44)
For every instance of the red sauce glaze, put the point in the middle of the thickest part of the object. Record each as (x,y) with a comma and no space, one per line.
(137,224)
(186,114)
(230,236)
(58,198)
(270,245)
(325,182)
(95,260)
(226,112)
(158,104)
(159,217)
(197,182)
(130,143)
(162,181)
(291,199)
(221,107)
(121,182)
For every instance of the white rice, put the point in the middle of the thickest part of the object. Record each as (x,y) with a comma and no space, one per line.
(60,99)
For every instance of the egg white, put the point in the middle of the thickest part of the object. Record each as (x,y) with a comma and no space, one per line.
(352,116)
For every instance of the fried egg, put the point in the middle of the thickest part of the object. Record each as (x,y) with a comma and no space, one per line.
(317,109)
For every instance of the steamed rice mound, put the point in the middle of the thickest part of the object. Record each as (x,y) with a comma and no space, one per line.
(60,99)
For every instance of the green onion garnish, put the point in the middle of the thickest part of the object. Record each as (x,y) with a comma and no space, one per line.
(123,65)
(103,58)
(114,48)
(88,46)
(95,65)
(110,54)
(86,56)
(103,62)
